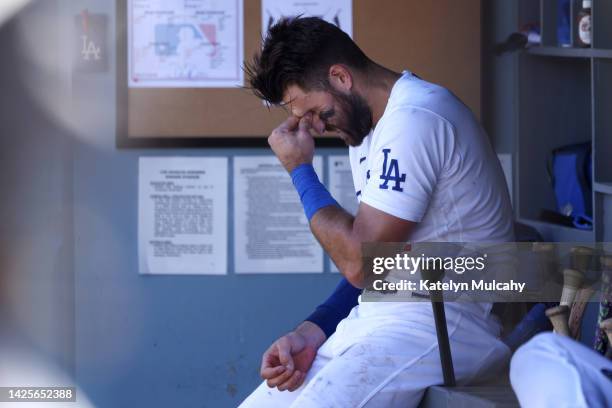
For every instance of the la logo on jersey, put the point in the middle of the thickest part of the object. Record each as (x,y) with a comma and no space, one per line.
(390,172)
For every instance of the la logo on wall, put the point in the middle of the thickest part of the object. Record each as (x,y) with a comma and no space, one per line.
(89,50)
(90,45)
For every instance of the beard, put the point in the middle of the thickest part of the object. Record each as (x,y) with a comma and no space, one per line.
(356,122)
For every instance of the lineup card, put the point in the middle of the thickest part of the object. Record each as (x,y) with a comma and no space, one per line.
(185,43)
(182,215)
(271,232)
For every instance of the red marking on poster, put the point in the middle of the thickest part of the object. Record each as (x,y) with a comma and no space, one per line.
(210,32)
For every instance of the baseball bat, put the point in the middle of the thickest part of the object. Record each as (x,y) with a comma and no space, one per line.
(572,281)
(580,258)
(558,316)
(580,303)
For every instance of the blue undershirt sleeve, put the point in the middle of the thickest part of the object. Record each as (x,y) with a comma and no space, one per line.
(328,314)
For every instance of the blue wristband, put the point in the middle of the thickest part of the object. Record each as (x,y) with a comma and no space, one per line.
(312,192)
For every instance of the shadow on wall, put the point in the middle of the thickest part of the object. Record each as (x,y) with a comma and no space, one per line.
(37,344)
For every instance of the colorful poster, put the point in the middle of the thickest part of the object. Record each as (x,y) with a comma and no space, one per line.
(185,43)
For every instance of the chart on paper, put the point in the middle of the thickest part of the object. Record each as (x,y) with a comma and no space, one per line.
(185,43)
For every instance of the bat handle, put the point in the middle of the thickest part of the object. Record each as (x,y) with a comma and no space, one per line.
(448,372)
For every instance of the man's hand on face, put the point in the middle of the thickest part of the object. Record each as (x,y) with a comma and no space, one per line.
(292,142)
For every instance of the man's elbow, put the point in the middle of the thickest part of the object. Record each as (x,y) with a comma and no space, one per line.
(352,264)
(354,274)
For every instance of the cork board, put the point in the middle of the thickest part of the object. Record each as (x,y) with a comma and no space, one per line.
(438,40)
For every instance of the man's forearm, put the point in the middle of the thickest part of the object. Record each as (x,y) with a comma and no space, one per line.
(312,334)
(333,228)
(330,224)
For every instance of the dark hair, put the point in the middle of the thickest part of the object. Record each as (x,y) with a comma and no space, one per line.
(299,51)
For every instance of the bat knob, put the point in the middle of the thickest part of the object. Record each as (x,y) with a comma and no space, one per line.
(581,257)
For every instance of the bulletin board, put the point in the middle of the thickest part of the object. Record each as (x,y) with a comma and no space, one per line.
(438,40)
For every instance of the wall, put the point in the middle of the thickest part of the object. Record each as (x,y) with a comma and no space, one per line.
(499,88)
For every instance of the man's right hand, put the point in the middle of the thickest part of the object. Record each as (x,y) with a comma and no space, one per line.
(292,142)
(287,361)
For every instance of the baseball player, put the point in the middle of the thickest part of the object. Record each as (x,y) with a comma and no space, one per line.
(423,170)
(555,371)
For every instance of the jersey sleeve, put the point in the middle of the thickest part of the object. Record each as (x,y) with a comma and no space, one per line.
(407,160)
(337,306)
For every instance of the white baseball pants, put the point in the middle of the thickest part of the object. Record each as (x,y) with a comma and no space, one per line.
(555,371)
(386,354)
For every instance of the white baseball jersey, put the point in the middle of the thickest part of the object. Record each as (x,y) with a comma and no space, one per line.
(429,161)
